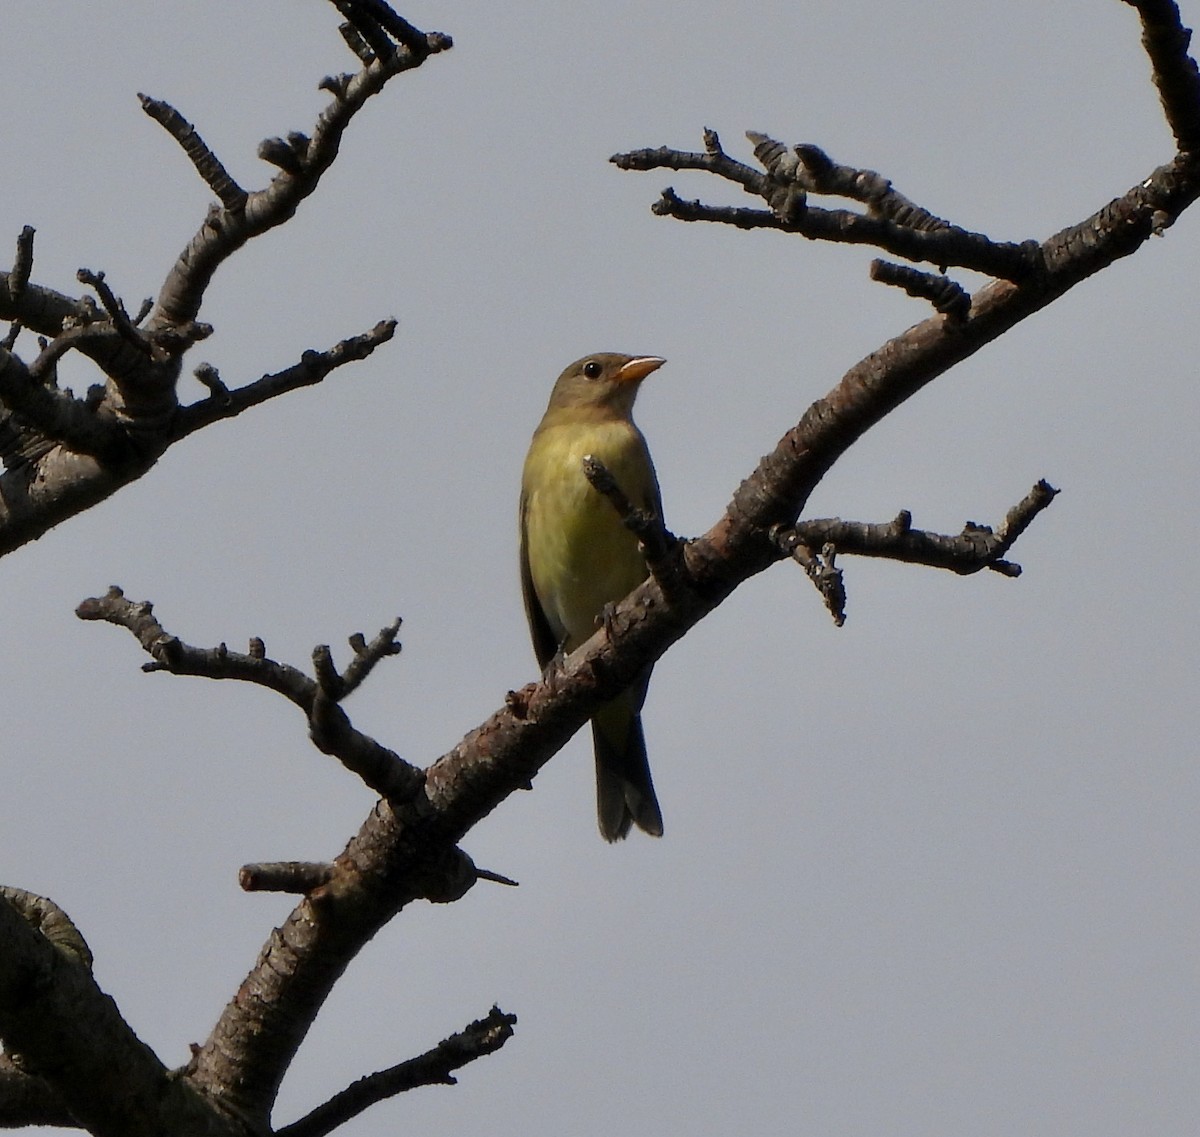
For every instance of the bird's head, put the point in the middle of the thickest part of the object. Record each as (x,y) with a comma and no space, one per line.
(607,382)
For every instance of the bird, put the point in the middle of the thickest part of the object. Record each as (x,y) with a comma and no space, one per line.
(578,557)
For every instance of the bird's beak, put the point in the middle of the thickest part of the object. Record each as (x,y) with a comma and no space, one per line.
(637,369)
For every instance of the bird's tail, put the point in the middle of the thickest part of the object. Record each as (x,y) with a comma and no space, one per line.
(624,790)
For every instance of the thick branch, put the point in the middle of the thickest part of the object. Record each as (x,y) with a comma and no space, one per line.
(56,415)
(1166,41)
(68,1032)
(434,1067)
(27,1100)
(403,840)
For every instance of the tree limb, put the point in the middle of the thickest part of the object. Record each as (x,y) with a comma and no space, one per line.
(434,1067)
(379,768)
(1166,41)
(976,547)
(313,367)
(26,1099)
(227,229)
(65,455)
(67,1031)
(892,222)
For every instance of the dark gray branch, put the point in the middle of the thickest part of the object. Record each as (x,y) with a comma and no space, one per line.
(118,317)
(946,295)
(208,166)
(367,15)
(661,548)
(227,229)
(1166,41)
(65,455)
(18,275)
(313,367)
(329,726)
(404,840)
(976,547)
(434,1067)
(892,222)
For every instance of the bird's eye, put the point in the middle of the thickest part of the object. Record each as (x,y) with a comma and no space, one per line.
(592,369)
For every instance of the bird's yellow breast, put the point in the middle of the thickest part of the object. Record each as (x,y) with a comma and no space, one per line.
(581,556)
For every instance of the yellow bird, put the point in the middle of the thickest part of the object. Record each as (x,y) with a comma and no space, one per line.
(577,556)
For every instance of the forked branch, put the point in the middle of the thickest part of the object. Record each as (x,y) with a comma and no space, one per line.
(329,726)
(64,454)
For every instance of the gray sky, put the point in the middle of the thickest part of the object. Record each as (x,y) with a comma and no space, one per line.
(931,874)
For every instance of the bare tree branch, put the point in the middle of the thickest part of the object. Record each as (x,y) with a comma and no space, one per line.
(208,166)
(976,547)
(115,308)
(892,222)
(285,876)
(226,230)
(379,768)
(18,275)
(947,297)
(1166,41)
(434,1067)
(63,1027)
(26,1099)
(65,455)
(313,367)
(369,16)
(662,549)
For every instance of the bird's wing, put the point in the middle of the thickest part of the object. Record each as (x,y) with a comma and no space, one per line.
(544,643)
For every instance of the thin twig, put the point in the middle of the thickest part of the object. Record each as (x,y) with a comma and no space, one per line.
(434,1067)
(18,275)
(115,308)
(659,545)
(207,164)
(946,295)
(312,368)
